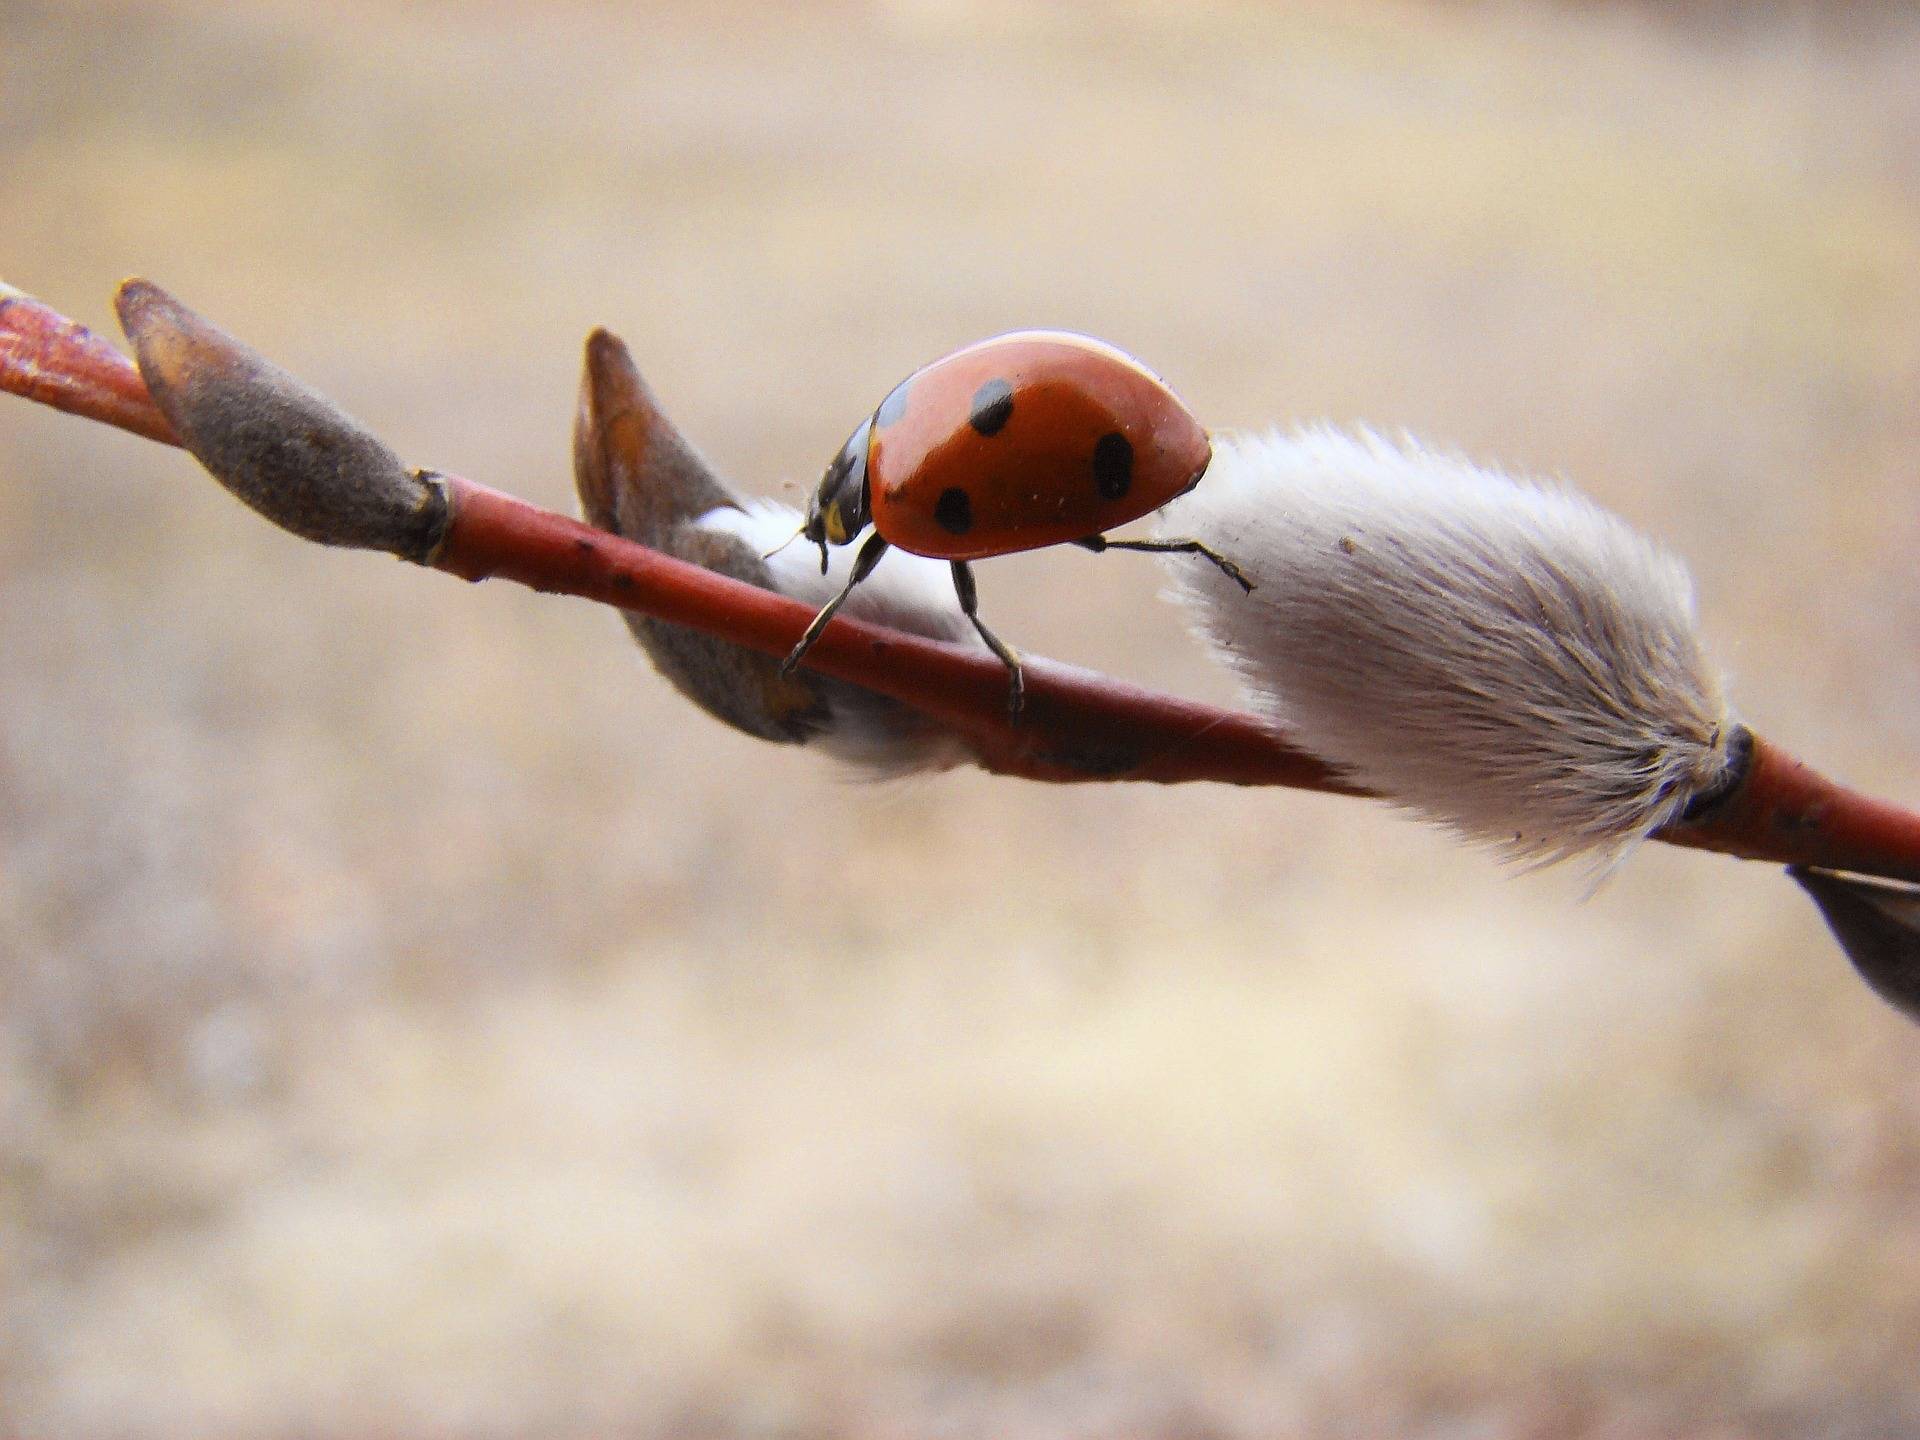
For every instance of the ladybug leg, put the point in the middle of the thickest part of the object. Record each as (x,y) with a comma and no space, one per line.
(969,606)
(863,564)
(1098,543)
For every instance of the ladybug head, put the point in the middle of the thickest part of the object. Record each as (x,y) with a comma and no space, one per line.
(839,509)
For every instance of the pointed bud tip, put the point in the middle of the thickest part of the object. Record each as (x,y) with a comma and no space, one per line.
(603,343)
(134,294)
(612,381)
(636,473)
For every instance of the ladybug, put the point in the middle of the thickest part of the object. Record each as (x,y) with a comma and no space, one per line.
(1040,437)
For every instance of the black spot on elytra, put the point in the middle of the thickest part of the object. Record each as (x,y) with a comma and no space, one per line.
(893,407)
(954,511)
(992,405)
(1113,465)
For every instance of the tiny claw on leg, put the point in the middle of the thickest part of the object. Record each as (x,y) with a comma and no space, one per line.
(1228,568)
(787,666)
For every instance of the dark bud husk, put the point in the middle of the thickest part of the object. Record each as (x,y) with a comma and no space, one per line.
(274,442)
(638,476)
(1877,923)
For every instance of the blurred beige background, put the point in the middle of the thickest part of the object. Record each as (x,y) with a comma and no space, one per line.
(416,1021)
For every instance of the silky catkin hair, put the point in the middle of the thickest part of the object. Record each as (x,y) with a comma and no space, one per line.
(907,592)
(1499,655)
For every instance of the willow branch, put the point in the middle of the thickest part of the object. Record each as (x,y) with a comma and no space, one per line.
(303,464)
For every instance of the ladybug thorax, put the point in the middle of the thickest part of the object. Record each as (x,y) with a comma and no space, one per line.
(840,508)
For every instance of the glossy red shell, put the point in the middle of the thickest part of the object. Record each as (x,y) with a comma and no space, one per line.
(1026,440)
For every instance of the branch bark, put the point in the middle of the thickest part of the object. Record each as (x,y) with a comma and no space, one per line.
(302,463)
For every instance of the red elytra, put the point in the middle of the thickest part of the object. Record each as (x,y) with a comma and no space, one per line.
(1025,440)
(1040,437)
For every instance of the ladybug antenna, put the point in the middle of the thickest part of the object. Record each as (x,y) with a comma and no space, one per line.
(786,542)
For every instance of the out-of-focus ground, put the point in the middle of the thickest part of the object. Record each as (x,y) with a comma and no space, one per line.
(416,1021)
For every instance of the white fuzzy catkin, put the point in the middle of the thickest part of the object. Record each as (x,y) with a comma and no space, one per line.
(905,592)
(1499,655)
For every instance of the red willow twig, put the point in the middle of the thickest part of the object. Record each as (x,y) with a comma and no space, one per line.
(1077,725)
(297,459)
(49,359)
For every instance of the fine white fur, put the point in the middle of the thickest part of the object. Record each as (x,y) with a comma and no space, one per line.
(905,592)
(1499,655)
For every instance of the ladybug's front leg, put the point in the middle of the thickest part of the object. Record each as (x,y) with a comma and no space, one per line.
(969,606)
(863,564)
(1098,543)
